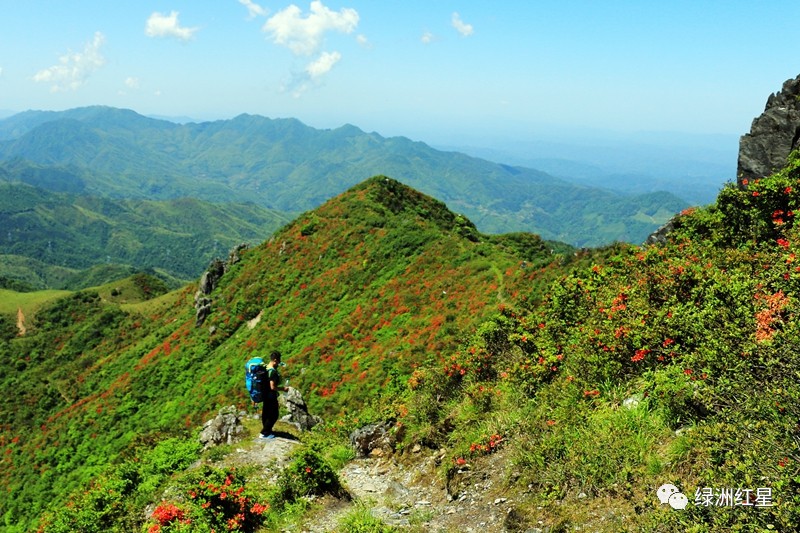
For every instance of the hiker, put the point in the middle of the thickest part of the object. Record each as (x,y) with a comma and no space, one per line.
(270,388)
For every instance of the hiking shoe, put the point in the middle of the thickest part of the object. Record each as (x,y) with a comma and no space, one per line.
(263,437)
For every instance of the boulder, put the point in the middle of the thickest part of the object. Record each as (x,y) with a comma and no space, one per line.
(202,310)
(659,236)
(372,438)
(298,411)
(235,255)
(209,281)
(211,276)
(225,428)
(773,135)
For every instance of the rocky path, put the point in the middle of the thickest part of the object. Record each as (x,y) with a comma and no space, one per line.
(403,491)
(407,493)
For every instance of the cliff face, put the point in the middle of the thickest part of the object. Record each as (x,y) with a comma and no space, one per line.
(773,134)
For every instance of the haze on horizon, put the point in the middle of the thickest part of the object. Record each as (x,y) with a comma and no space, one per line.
(619,85)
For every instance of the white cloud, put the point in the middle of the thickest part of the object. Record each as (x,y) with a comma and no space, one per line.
(323,64)
(303,35)
(311,76)
(362,40)
(132,83)
(254,10)
(161,25)
(427,38)
(461,27)
(74,68)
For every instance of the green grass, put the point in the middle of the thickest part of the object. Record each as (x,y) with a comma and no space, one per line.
(29,302)
(361,520)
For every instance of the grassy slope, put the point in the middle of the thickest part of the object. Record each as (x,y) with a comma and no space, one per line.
(699,334)
(372,284)
(179,237)
(29,302)
(671,364)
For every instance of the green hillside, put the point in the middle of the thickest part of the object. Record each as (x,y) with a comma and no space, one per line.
(135,289)
(597,376)
(65,233)
(367,286)
(288,166)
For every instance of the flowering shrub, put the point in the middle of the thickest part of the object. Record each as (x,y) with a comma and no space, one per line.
(215,500)
(166,514)
(767,318)
(488,445)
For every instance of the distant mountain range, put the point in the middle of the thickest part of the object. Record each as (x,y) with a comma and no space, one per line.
(287,166)
(48,236)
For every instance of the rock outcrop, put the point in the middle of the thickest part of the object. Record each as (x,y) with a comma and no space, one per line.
(375,439)
(659,236)
(225,428)
(210,279)
(298,411)
(773,135)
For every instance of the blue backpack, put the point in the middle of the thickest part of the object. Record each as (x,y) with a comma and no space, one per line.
(255,373)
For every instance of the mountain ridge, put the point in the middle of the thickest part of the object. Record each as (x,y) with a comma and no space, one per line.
(576,386)
(369,284)
(286,165)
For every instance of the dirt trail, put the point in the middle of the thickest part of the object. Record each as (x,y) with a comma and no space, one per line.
(407,493)
(21,322)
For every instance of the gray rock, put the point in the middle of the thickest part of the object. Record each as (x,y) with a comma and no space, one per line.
(225,428)
(234,256)
(202,310)
(659,236)
(378,436)
(632,401)
(773,135)
(298,411)
(211,277)
(209,281)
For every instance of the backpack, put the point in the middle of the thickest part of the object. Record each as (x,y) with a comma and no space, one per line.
(255,373)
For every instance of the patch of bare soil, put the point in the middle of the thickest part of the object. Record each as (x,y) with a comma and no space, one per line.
(21,322)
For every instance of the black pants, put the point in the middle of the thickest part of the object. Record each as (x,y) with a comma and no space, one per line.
(269,415)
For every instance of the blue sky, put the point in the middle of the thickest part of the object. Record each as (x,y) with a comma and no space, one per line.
(432,70)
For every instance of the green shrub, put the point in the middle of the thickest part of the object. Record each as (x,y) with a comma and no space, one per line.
(98,509)
(308,474)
